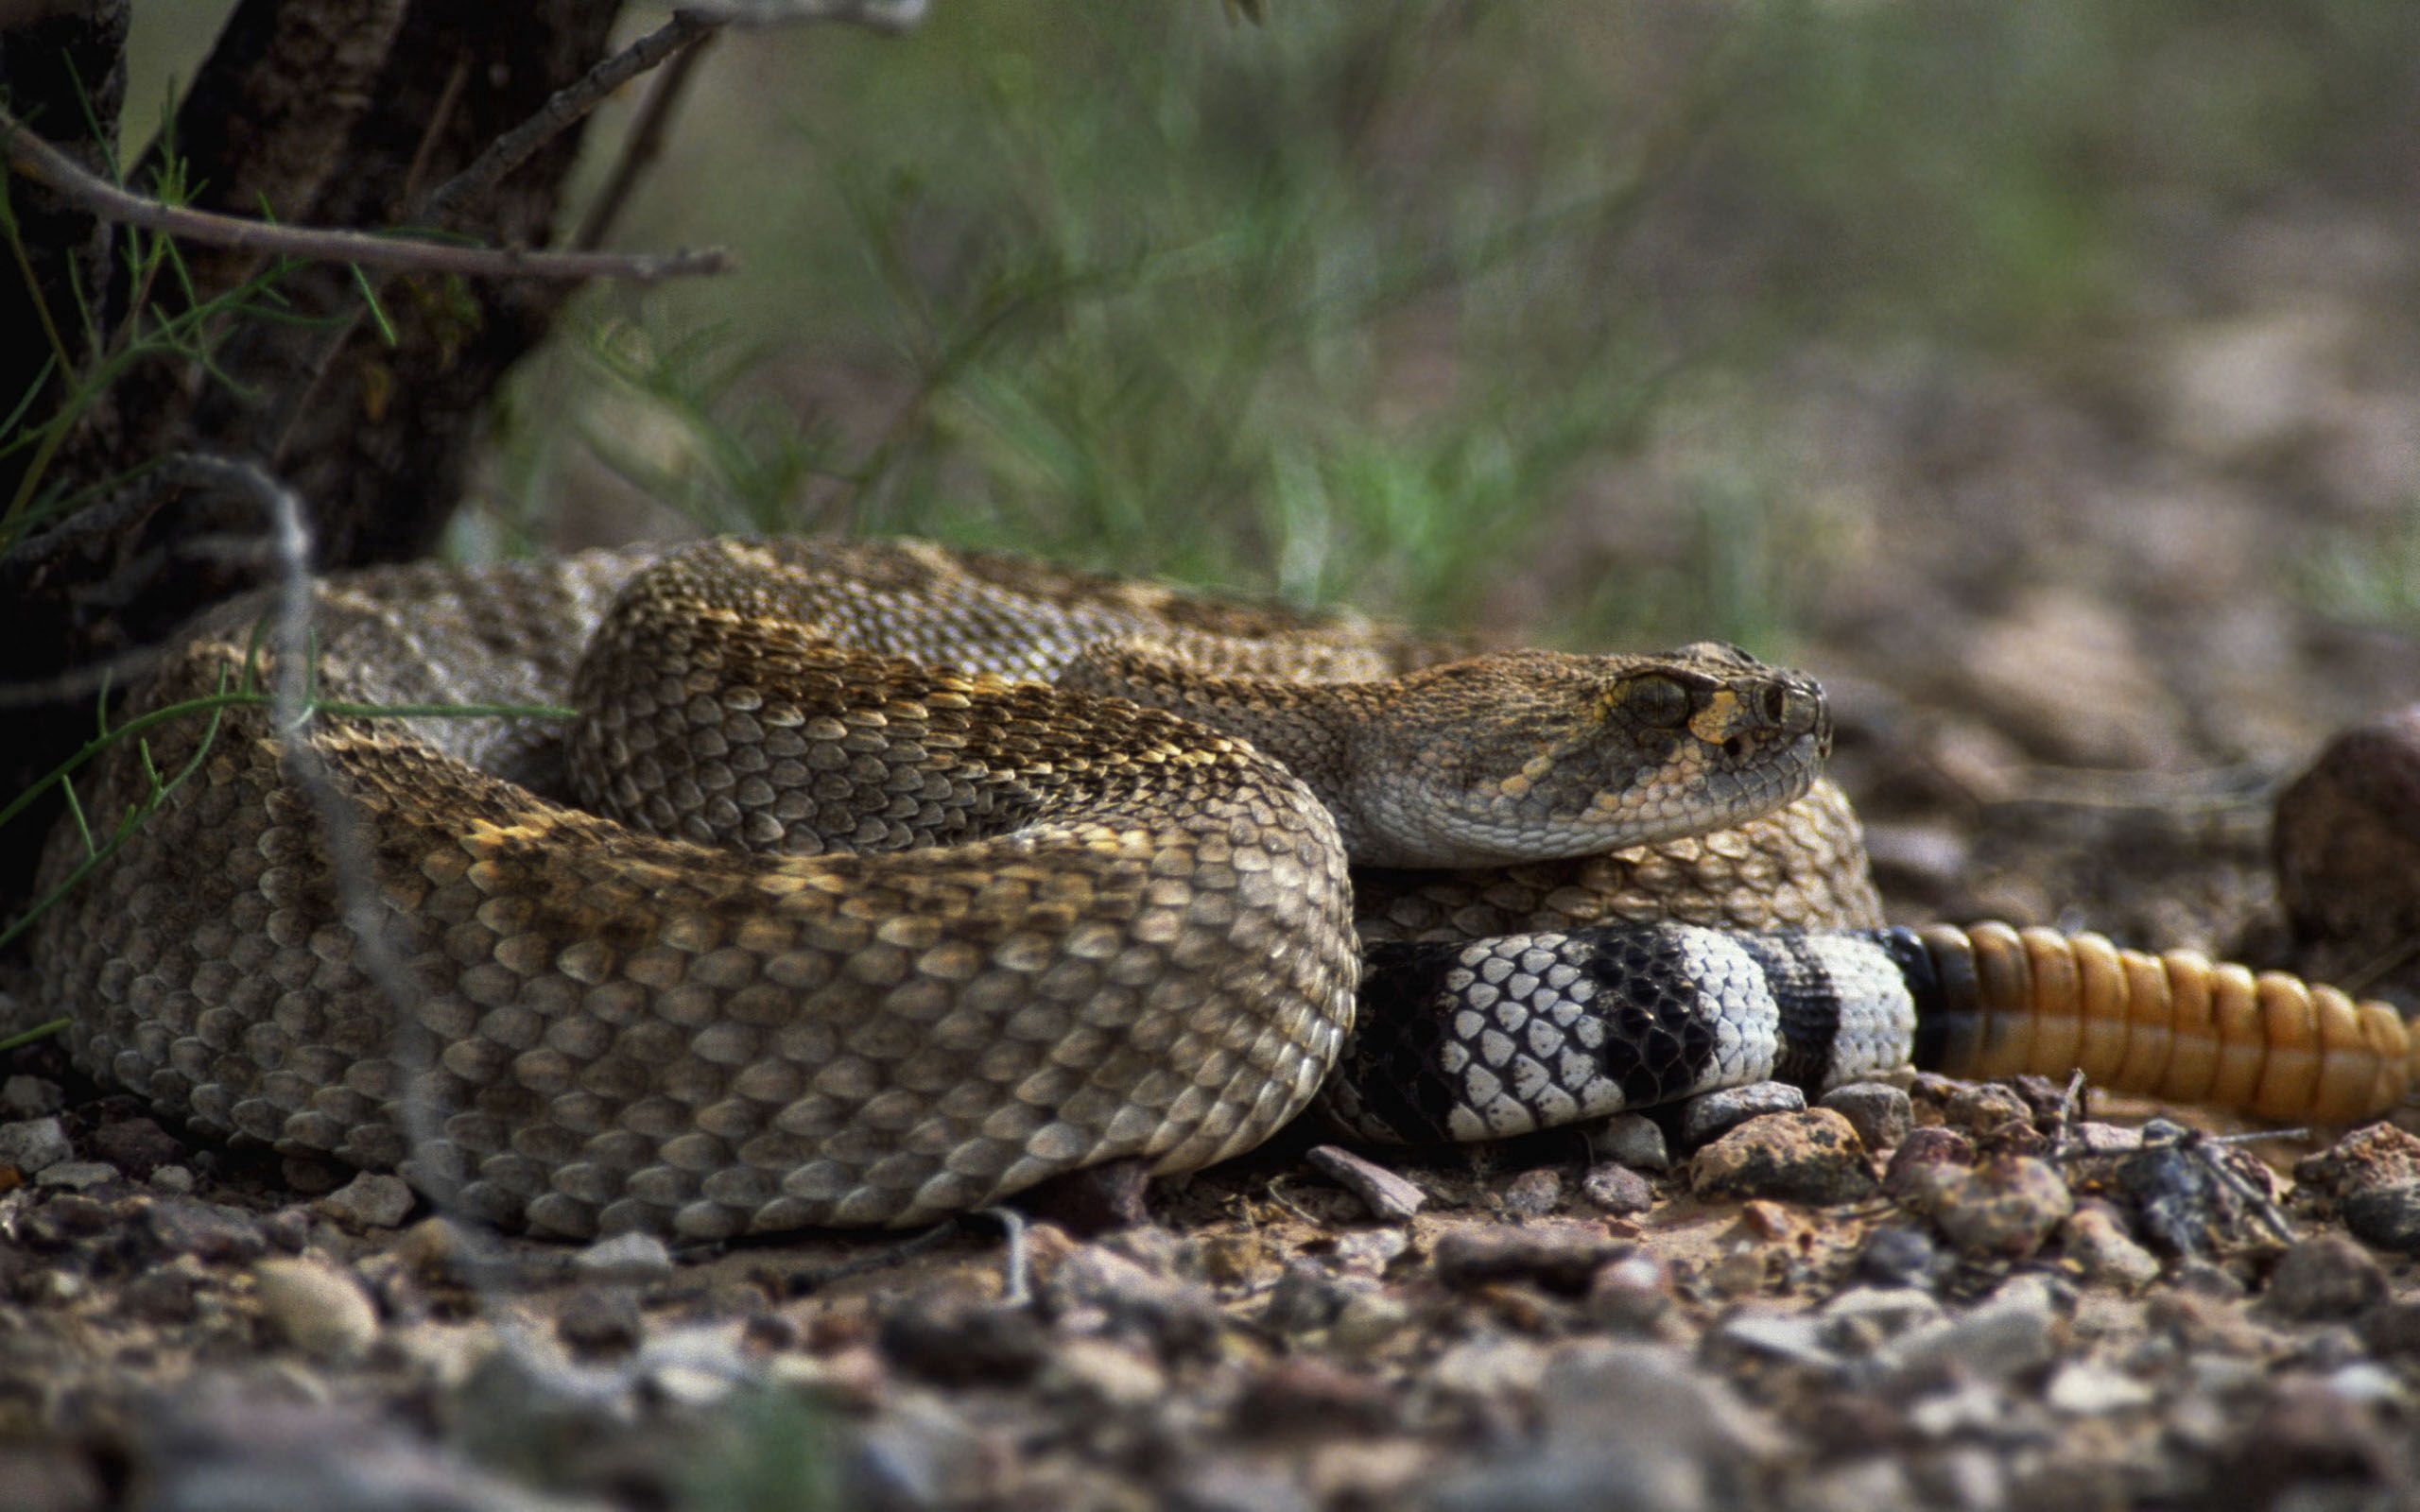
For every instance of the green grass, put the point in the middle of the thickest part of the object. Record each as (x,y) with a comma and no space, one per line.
(1362,304)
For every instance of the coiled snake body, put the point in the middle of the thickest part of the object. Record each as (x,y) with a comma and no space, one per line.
(900,880)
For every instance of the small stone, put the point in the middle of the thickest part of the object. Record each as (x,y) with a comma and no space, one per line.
(1898,1254)
(1290,1397)
(1558,1257)
(1919,1169)
(2192,1195)
(211,1234)
(163,1293)
(2008,1334)
(136,1145)
(2097,1241)
(2324,1276)
(2392,1329)
(24,1097)
(318,1309)
(1306,1299)
(1533,1194)
(1110,1294)
(1366,1321)
(633,1257)
(961,1342)
(1631,1295)
(2386,1217)
(1863,1318)
(175,1179)
(2376,1155)
(2083,1389)
(1618,1189)
(288,1229)
(1709,1116)
(2008,1207)
(1799,1338)
(370,1200)
(1880,1114)
(34,1144)
(1392,1197)
(1630,1139)
(1990,1112)
(597,1320)
(78,1176)
(1104,1376)
(1811,1156)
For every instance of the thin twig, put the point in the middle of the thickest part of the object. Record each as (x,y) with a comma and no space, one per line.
(45,164)
(563,109)
(875,15)
(640,149)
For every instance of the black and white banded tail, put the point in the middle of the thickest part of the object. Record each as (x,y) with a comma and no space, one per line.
(1522,1032)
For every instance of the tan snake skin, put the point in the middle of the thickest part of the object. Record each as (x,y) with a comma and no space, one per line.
(857,924)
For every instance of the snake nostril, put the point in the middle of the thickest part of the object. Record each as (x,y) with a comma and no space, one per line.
(1735,747)
(1776,703)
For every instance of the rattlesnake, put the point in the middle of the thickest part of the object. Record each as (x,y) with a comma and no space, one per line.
(906,879)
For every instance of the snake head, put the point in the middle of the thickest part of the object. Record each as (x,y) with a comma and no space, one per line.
(1538,755)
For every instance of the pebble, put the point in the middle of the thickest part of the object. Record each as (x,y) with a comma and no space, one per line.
(2386,1217)
(136,1145)
(1881,1113)
(1709,1116)
(1797,1337)
(2096,1239)
(370,1200)
(2080,1388)
(1367,1320)
(1920,1166)
(23,1097)
(1533,1194)
(1899,1255)
(1811,1155)
(2375,1155)
(78,1176)
(2007,1207)
(315,1307)
(1558,1257)
(631,1257)
(1096,1289)
(2394,1328)
(2008,1334)
(175,1179)
(1866,1317)
(1390,1196)
(2324,1276)
(1990,1111)
(1618,1189)
(1630,1139)
(1306,1299)
(1633,1295)
(599,1320)
(34,1144)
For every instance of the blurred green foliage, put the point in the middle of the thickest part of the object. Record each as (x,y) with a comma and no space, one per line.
(1374,302)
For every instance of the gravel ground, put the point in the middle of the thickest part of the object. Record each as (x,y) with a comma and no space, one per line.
(2074,658)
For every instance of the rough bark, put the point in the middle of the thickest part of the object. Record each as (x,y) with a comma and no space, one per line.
(330,113)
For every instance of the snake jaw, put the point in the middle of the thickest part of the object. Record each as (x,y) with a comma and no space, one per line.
(1582,756)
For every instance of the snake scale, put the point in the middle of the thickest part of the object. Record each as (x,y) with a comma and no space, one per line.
(877,882)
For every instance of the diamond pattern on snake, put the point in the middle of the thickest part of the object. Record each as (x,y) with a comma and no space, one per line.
(878,882)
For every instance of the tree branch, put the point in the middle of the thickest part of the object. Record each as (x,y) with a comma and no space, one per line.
(45,164)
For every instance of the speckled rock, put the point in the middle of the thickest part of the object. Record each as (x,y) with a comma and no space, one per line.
(2096,1239)
(2387,1217)
(2323,1277)
(370,1200)
(1809,1156)
(1926,1163)
(2008,1206)
(1706,1118)
(34,1144)
(1880,1114)
(1618,1189)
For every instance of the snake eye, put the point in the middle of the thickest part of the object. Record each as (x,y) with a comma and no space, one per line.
(1657,701)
